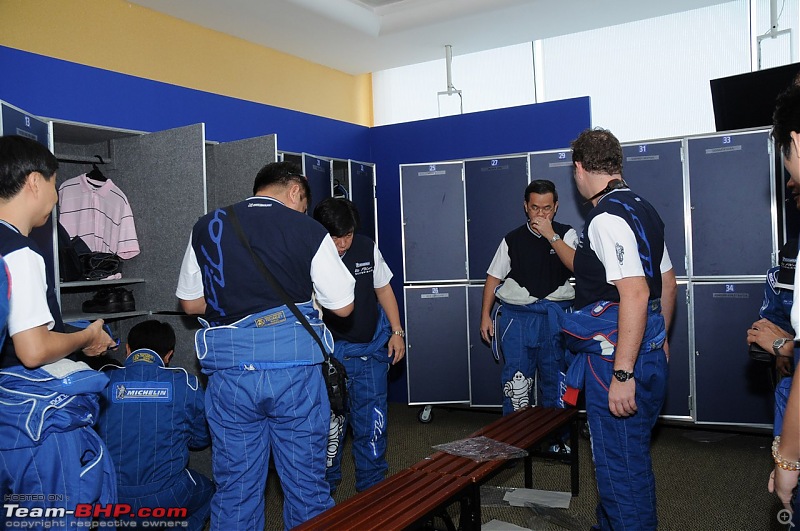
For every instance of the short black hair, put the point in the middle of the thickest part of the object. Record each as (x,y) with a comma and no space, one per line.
(338,215)
(282,174)
(786,118)
(153,335)
(599,151)
(19,157)
(541,187)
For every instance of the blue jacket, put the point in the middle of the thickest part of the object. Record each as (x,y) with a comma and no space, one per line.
(150,417)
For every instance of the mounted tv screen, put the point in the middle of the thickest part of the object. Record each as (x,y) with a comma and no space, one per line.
(747,100)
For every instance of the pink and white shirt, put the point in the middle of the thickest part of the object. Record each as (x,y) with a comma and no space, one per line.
(99,213)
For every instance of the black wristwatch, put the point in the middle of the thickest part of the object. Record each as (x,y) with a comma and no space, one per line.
(623,376)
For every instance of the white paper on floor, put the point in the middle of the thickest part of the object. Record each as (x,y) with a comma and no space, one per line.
(546,498)
(499,525)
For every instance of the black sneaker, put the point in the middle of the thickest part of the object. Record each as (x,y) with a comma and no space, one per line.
(126,300)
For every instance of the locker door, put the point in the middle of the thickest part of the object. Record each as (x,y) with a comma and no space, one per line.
(495,193)
(438,352)
(319,172)
(678,385)
(655,171)
(362,194)
(232,168)
(731,196)
(556,166)
(434,222)
(484,371)
(729,386)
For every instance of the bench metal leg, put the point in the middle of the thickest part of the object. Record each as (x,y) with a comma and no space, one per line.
(528,472)
(470,519)
(574,438)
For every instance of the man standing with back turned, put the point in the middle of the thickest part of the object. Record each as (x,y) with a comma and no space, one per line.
(625,295)
(266,393)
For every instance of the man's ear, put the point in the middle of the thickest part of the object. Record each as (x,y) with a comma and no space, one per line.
(127,349)
(168,357)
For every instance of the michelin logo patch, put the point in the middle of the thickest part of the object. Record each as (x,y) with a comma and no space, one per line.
(142,392)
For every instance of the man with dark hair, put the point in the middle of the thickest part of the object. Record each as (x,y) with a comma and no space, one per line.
(625,297)
(47,446)
(366,342)
(530,276)
(150,416)
(266,393)
(786,447)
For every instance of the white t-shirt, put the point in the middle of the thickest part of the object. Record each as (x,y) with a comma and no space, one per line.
(28,304)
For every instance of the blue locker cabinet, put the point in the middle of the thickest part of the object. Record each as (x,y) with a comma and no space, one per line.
(433,211)
(362,194)
(438,348)
(730,178)
(679,384)
(484,372)
(495,191)
(654,170)
(730,388)
(319,172)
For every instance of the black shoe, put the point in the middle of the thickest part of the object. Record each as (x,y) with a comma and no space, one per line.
(110,300)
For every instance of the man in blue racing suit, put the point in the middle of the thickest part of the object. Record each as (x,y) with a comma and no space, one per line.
(625,298)
(266,394)
(150,416)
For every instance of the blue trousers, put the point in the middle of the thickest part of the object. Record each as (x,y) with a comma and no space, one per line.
(191,490)
(367,395)
(621,446)
(530,341)
(255,413)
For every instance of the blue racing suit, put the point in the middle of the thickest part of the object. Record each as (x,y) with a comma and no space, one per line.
(777,308)
(627,493)
(266,394)
(150,416)
(530,337)
(367,366)
(47,444)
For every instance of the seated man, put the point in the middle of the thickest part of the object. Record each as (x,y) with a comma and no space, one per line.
(774,329)
(150,417)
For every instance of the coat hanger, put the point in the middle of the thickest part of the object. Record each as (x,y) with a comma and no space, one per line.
(96,174)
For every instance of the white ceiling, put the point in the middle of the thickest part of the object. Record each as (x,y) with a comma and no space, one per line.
(361,36)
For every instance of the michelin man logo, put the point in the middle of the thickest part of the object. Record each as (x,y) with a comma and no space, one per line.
(518,390)
(334,437)
(620,252)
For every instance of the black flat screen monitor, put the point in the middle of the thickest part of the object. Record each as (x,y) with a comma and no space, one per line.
(747,100)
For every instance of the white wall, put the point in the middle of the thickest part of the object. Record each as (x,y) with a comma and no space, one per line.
(647,79)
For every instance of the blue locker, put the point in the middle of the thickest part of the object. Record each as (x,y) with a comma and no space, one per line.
(362,194)
(484,372)
(655,171)
(434,222)
(556,166)
(679,383)
(495,195)
(731,197)
(729,386)
(437,361)
(319,173)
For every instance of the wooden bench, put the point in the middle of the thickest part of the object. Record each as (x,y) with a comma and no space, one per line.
(405,500)
(415,495)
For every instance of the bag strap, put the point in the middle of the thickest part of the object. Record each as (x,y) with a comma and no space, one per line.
(272,280)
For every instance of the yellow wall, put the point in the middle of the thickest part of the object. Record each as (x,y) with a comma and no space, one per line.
(127,38)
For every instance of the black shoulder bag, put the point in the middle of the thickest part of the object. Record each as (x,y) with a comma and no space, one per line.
(332,369)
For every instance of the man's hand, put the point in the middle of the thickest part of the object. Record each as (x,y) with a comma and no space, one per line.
(397,348)
(487,328)
(782,482)
(763,332)
(622,397)
(99,341)
(543,226)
